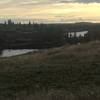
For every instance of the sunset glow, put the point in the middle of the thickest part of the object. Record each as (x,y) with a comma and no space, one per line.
(50,11)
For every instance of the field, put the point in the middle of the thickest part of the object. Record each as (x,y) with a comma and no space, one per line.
(70,72)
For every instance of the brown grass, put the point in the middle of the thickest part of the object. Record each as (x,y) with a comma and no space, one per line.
(75,68)
(56,94)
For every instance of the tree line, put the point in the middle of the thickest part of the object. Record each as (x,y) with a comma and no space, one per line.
(40,36)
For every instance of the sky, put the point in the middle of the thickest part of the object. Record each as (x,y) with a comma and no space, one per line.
(51,10)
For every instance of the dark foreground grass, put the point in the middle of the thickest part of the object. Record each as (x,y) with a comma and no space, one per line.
(66,73)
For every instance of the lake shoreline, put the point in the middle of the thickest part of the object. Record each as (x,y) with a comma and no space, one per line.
(15,52)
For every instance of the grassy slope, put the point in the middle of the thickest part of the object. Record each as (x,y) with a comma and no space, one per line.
(70,67)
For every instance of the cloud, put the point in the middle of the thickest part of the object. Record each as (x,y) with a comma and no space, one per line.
(44,2)
(5,1)
(51,9)
(88,1)
(81,1)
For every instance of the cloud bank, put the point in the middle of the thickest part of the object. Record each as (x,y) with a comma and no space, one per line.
(80,1)
(39,2)
(62,10)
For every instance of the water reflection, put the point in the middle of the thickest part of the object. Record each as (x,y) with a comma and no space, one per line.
(11,52)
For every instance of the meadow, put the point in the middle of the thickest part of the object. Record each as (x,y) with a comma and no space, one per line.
(70,72)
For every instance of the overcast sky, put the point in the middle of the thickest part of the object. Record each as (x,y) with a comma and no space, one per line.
(52,10)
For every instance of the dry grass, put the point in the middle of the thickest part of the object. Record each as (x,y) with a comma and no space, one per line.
(86,49)
(55,94)
(66,73)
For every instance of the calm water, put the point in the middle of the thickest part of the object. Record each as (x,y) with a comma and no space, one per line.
(81,33)
(11,52)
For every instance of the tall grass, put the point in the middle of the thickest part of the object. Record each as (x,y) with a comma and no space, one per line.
(66,73)
(55,94)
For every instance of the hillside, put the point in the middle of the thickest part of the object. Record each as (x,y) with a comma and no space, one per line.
(72,70)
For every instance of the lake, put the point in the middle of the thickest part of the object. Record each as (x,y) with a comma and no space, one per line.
(14,52)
